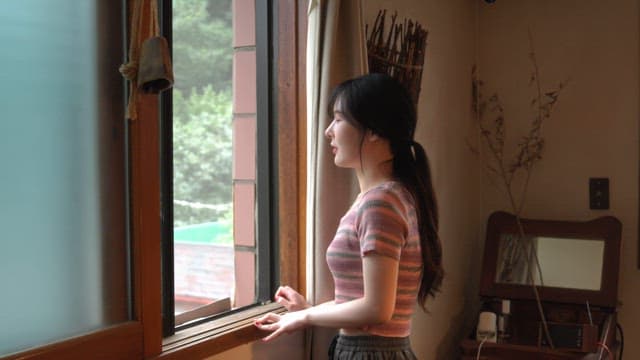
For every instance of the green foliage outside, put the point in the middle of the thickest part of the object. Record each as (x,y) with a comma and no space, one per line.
(202,44)
(202,106)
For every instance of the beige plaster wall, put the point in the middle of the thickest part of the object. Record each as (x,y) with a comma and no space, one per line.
(593,131)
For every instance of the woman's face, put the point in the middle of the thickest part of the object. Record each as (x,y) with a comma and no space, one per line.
(345,139)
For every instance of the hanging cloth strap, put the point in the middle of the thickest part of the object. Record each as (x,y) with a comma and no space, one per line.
(149,67)
(154,27)
(130,70)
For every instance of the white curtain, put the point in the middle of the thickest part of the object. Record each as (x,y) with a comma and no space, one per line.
(336,51)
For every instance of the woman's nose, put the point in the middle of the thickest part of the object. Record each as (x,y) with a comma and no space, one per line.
(328,131)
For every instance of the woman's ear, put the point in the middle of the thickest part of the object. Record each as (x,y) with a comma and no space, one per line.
(371,136)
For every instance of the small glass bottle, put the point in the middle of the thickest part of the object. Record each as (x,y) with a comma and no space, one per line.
(503,321)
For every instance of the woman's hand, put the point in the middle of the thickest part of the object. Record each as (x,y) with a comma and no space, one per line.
(291,299)
(281,324)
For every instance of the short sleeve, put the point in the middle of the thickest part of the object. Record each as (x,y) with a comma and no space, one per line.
(381,224)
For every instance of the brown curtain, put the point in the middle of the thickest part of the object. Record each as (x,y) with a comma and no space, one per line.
(336,51)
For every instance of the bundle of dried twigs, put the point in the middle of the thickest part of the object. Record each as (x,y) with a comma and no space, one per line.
(400,54)
(490,118)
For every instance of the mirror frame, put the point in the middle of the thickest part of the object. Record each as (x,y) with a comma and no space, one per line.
(607,228)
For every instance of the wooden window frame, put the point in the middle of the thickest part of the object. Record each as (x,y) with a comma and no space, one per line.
(142,338)
(223,334)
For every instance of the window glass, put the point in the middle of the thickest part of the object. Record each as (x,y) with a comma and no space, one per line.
(62,188)
(220,241)
(204,270)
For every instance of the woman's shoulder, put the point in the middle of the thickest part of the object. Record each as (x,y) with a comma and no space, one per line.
(391,191)
(386,188)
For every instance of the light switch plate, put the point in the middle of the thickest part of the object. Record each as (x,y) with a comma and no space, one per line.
(599,193)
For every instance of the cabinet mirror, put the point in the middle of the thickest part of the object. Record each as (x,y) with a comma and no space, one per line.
(569,261)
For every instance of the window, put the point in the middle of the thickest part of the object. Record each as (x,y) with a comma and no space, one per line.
(218,139)
(63,263)
(134,325)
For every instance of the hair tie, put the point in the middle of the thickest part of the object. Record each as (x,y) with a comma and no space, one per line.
(407,146)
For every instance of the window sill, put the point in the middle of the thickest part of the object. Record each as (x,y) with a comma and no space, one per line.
(216,336)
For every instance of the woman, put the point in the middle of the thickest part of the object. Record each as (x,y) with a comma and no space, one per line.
(386,253)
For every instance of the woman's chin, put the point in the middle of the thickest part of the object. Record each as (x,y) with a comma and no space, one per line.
(344,163)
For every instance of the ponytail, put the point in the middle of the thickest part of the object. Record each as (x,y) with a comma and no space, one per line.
(411,167)
(427,209)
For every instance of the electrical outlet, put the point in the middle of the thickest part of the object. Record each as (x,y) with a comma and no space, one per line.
(599,193)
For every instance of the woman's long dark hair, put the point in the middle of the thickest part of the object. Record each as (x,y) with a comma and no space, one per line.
(379,103)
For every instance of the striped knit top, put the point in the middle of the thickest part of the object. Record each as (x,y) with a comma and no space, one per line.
(383,221)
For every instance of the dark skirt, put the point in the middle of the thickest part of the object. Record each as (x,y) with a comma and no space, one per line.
(370,348)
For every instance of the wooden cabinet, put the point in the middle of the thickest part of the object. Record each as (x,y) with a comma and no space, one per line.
(573,268)
(492,351)
(526,339)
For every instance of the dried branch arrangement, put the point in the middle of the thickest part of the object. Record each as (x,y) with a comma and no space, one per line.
(490,119)
(400,53)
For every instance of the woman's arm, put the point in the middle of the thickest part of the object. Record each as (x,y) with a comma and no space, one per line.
(376,306)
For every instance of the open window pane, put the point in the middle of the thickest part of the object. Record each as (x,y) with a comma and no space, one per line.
(221,161)
(63,267)
(203,156)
